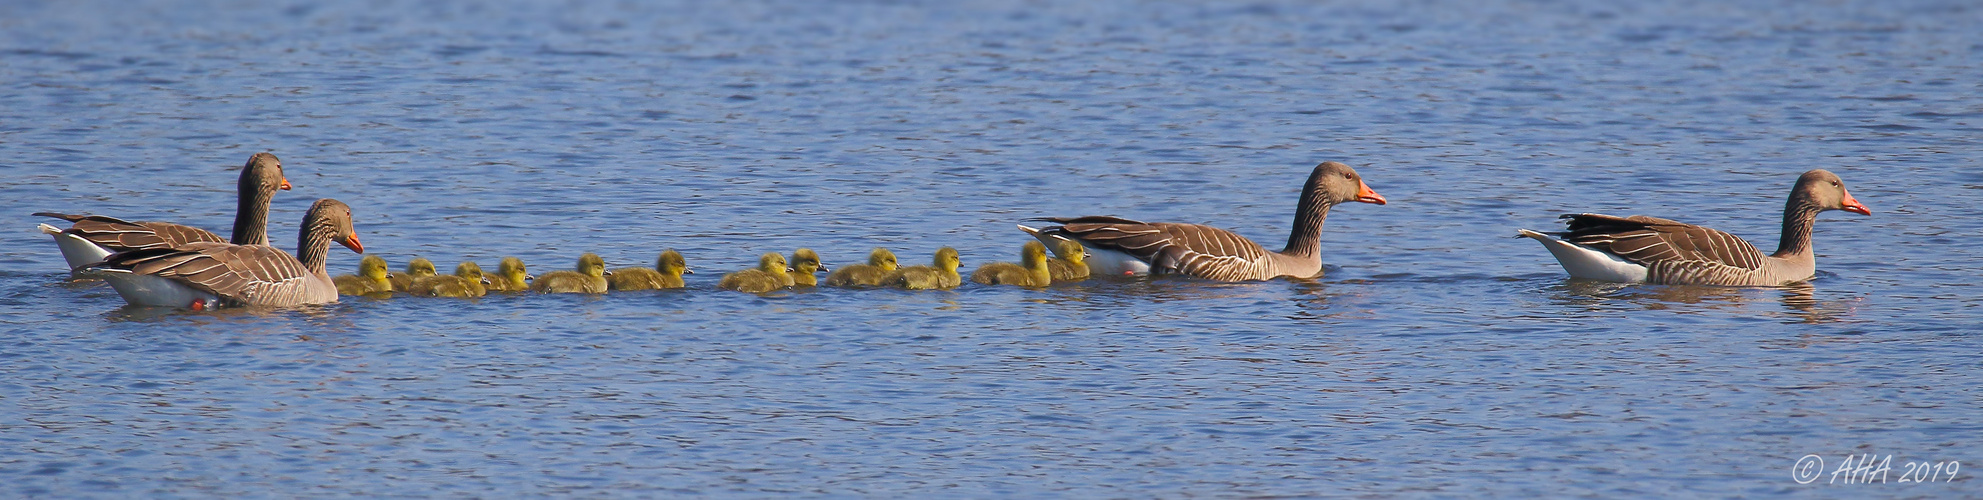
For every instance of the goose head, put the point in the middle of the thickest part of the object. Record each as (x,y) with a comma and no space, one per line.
(772,263)
(806,261)
(263,174)
(1332,183)
(1033,255)
(591,265)
(882,258)
(420,267)
(671,263)
(946,259)
(335,217)
(372,267)
(1826,191)
(1071,251)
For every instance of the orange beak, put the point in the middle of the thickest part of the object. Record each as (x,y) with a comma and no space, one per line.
(352,243)
(1367,195)
(285,184)
(1853,205)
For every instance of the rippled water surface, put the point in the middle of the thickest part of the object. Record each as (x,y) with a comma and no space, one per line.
(1439,356)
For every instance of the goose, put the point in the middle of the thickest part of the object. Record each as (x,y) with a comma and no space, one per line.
(880,262)
(941,274)
(667,273)
(1068,263)
(805,267)
(203,275)
(1661,251)
(770,274)
(1123,247)
(416,269)
(467,281)
(91,238)
(1031,272)
(372,279)
(510,276)
(589,278)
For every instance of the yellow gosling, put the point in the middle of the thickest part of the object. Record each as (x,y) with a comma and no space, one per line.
(880,263)
(418,268)
(589,278)
(467,281)
(1069,263)
(770,274)
(371,279)
(667,273)
(805,267)
(941,274)
(510,276)
(1031,272)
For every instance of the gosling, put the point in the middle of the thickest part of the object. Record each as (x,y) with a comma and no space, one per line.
(467,281)
(1031,272)
(667,273)
(589,278)
(940,275)
(371,279)
(510,276)
(417,268)
(880,263)
(805,266)
(1069,263)
(770,274)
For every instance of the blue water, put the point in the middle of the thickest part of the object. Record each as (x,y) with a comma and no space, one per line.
(1438,357)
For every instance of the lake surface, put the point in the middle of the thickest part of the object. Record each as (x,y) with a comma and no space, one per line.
(1439,356)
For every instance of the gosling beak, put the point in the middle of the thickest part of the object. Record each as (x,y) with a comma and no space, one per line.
(352,243)
(1852,205)
(823,269)
(607,273)
(688,271)
(529,277)
(790,270)
(1366,195)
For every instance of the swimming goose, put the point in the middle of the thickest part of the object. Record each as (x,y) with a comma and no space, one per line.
(1123,247)
(202,275)
(371,279)
(880,262)
(510,276)
(805,267)
(770,274)
(1655,250)
(941,274)
(467,281)
(666,273)
(1068,263)
(416,269)
(589,278)
(1031,272)
(90,238)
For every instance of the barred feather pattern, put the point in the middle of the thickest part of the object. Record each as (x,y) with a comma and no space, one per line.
(1675,252)
(244,274)
(1189,249)
(118,235)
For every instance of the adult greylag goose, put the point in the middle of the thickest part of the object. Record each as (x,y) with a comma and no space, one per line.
(1123,247)
(806,267)
(204,274)
(880,263)
(372,279)
(666,273)
(510,276)
(90,238)
(941,274)
(589,278)
(1030,272)
(416,269)
(1662,251)
(1069,263)
(770,274)
(466,282)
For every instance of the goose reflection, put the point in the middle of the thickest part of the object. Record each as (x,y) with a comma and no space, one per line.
(1798,300)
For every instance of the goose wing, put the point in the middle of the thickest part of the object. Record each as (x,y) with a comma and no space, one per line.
(1652,241)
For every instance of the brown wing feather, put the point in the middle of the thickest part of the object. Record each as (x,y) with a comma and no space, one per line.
(1189,249)
(1652,240)
(120,235)
(239,274)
